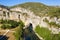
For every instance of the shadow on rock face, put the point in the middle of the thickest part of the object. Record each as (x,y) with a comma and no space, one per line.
(29,34)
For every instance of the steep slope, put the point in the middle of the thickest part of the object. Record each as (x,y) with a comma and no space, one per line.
(33,6)
(39,8)
(35,13)
(27,16)
(38,12)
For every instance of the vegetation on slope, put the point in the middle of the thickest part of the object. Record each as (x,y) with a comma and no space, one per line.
(52,23)
(8,24)
(33,6)
(19,32)
(46,33)
(54,12)
(40,9)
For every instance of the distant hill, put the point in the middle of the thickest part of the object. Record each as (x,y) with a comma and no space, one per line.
(33,6)
(6,7)
(40,9)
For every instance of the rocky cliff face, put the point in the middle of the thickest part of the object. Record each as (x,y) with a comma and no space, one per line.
(32,14)
(28,16)
(4,12)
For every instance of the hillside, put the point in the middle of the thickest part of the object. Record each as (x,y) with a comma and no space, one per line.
(40,9)
(32,15)
(36,12)
(39,12)
(35,7)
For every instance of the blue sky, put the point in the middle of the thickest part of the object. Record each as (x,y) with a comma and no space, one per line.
(14,2)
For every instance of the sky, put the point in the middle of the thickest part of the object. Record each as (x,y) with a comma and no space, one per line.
(15,2)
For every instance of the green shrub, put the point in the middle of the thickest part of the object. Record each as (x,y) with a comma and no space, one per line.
(13,23)
(46,20)
(21,24)
(3,21)
(19,32)
(9,24)
(46,34)
(54,24)
(6,26)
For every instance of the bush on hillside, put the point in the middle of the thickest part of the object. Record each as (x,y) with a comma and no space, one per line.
(19,32)
(6,26)
(21,23)
(13,23)
(46,33)
(3,21)
(9,24)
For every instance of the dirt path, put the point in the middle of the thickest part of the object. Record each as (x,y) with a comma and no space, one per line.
(7,33)
(4,34)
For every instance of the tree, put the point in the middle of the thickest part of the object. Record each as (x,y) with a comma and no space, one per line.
(19,32)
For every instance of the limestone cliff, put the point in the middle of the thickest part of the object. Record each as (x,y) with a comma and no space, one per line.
(35,13)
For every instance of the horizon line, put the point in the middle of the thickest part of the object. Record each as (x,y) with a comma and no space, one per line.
(29,2)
